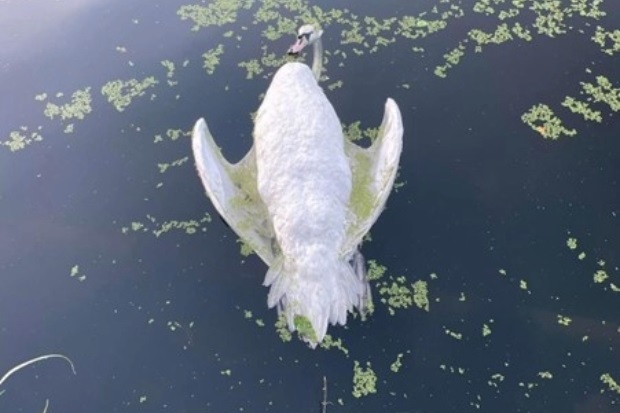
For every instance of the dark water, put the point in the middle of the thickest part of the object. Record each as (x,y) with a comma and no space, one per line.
(483,192)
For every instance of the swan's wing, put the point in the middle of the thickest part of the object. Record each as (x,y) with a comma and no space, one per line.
(374,170)
(232,190)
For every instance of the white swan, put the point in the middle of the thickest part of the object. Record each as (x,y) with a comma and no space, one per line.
(304,196)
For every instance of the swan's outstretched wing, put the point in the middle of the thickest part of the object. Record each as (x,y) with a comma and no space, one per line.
(374,170)
(232,190)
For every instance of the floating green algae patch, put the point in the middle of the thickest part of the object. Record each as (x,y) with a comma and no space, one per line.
(281,326)
(158,228)
(330,342)
(172,135)
(420,295)
(609,41)
(612,385)
(564,320)
(375,270)
(364,34)
(120,93)
(20,139)
(543,120)
(364,380)
(77,108)
(218,13)
(170,72)
(603,91)
(396,293)
(582,108)
(398,363)
(163,167)
(549,18)
(76,273)
(211,58)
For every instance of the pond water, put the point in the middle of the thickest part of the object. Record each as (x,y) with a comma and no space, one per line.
(111,254)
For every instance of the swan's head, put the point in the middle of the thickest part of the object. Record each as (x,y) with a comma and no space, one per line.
(306,36)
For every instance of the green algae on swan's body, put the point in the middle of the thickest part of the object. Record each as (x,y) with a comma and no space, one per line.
(304,328)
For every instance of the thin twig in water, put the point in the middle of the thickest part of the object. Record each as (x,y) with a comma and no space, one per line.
(35,360)
(32,361)
(324,403)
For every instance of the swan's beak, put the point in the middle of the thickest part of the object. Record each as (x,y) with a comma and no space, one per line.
(299,45)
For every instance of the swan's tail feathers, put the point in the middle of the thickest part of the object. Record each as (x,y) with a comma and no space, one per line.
(358,264)
(313,294)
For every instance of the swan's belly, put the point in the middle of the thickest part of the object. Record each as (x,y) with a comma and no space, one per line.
(304,177)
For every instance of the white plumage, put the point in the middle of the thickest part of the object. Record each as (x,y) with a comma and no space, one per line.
(304,197)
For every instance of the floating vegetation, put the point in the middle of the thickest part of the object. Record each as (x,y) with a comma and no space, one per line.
(544,121)
(77,108)
(120,93)
(455,335)
(398,363)
(282,329)
(603,91)
(420,295)
(571,243)
(153,226)
(396,293)
(163,167)
(564,320)
(253,68)
(329,342)
(19,139)
(75,273)
(600,274)
(610,382)
(375,270)
(609,41)
(218,13)
(364,380)
(550,18)
(172,135)
(211,58)
(170,68)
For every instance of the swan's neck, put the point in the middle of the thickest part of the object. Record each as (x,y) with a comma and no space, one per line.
(317,61)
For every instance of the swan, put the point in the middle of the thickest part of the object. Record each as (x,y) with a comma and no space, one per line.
(303,197)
